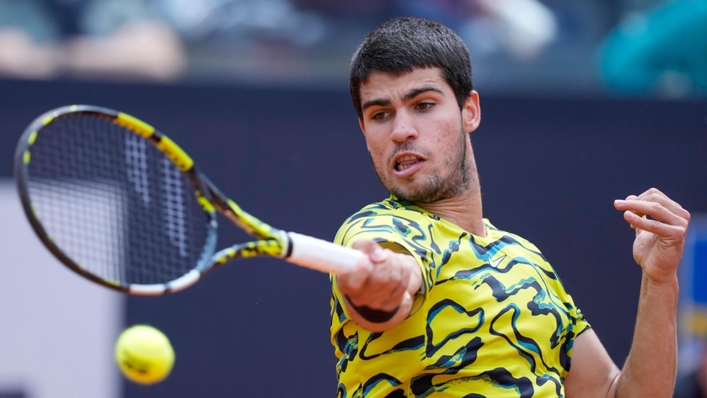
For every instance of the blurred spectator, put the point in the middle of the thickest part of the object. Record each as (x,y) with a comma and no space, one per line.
(214,20)
(663,51)
(518,45)
(377,9)
(521,29)
(117,38)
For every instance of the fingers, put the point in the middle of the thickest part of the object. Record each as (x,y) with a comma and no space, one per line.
(368,285)
(385,285)
(372,248)
(654,194)
(618,203)
(668,217)
(353,280)
(656,210)
(379,280)
(388,290)
(660,229)
(660,201)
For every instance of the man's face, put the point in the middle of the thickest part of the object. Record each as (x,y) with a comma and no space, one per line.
(415,133)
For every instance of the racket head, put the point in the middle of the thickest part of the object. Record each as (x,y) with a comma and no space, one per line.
(115,200)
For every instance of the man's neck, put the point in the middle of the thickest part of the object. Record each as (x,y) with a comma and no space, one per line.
(464,211)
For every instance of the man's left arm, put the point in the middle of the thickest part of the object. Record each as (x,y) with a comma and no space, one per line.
(651,366)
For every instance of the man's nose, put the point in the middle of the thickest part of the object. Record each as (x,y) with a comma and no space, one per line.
(403,127)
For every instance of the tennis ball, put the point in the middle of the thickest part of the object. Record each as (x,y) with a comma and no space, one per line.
(144,354)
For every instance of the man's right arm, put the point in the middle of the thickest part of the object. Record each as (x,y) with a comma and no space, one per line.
(378,293)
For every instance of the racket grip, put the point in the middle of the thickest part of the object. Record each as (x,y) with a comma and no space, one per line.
(321,255)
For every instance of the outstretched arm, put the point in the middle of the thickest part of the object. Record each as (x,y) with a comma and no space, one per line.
(650,368)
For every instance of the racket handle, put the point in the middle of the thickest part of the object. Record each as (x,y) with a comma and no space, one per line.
(321,255)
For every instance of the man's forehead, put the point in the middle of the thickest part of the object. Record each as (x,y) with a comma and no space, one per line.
(391,85)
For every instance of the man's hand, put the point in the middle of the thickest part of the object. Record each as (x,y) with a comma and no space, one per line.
(660,239)
(382,280)
(657,249)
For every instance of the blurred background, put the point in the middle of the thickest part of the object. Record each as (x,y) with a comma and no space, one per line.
(630,46)
(584,102)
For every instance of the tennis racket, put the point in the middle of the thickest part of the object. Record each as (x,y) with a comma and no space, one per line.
(122,205)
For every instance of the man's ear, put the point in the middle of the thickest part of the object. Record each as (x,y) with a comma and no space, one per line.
(471,112)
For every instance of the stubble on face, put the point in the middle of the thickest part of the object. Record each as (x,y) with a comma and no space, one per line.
(436,186)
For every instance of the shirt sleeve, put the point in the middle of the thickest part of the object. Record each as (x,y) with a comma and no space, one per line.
(392,231)
(578,324)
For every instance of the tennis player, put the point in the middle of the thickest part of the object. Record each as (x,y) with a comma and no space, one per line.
(445,304)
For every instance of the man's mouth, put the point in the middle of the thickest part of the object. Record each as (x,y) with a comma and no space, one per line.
(406,162)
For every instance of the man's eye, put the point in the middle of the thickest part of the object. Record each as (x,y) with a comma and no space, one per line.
(378,116)
(423,106)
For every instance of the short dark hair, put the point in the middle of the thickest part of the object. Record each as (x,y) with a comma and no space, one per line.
(403,44)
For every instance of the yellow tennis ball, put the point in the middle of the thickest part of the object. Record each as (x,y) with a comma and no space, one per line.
(144,354)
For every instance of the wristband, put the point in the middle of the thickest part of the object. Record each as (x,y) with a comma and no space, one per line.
(372,315)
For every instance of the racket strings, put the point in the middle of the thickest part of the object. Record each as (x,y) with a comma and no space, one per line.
(113,203)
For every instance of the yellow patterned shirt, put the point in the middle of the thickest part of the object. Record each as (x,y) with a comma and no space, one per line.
(493,319)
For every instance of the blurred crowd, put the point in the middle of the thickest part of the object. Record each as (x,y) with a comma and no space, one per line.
(629,46)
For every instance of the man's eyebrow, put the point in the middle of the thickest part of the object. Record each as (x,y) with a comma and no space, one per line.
(407,97)
(415,92)
(375,102)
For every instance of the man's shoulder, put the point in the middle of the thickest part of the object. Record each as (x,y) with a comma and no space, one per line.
(506,236)
(389,207)
(381,220)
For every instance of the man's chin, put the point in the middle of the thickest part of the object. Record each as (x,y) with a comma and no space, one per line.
(415,191)
(414,196)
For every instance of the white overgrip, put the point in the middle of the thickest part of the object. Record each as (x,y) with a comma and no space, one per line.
(321,255)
